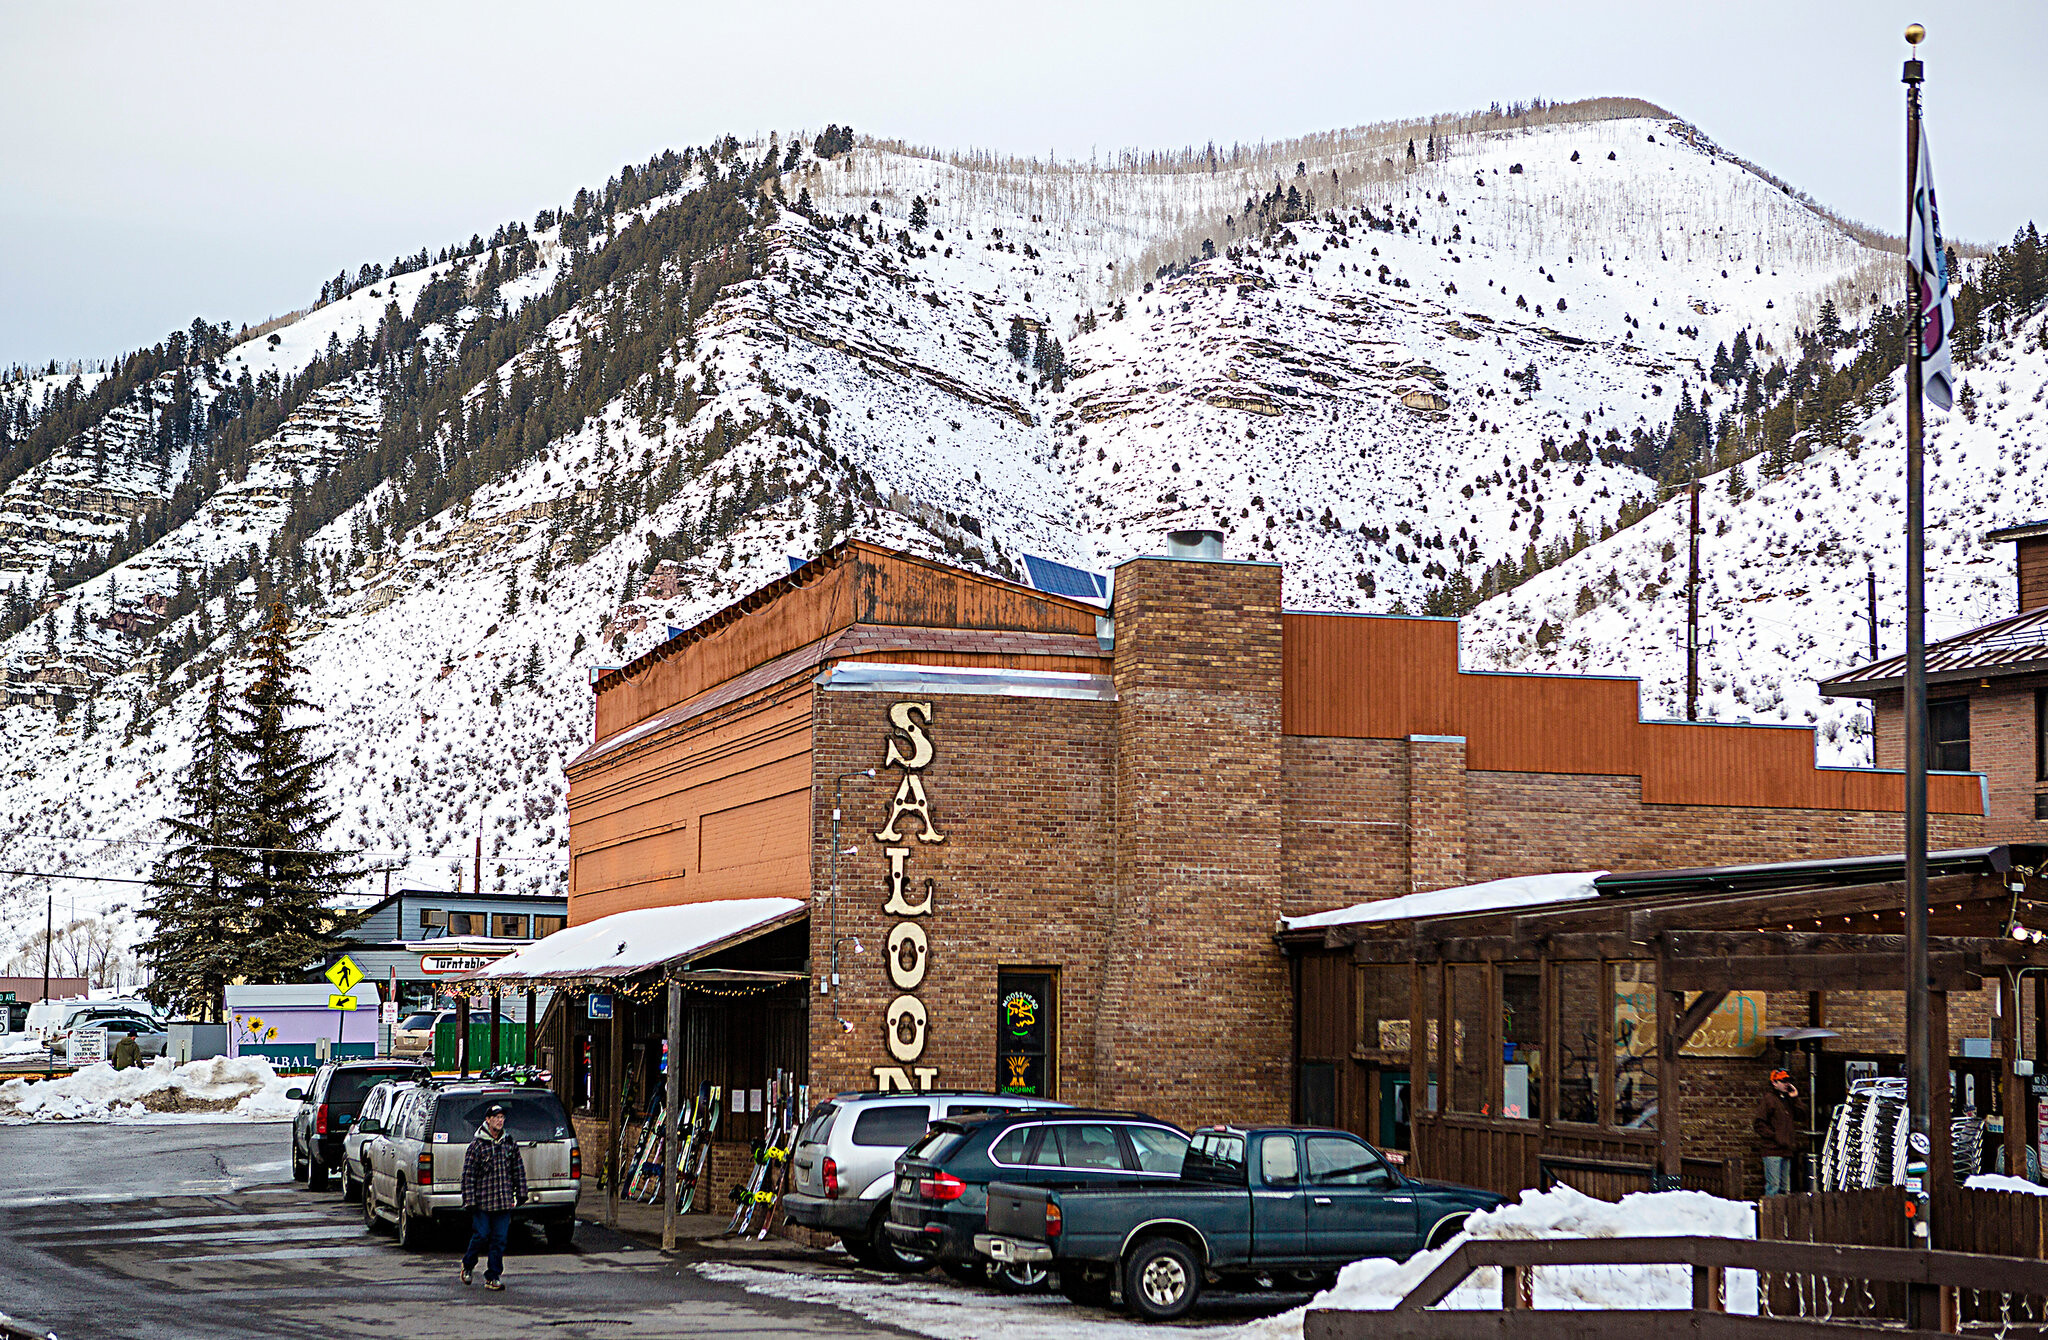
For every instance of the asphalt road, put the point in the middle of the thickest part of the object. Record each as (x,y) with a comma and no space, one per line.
(197,1231)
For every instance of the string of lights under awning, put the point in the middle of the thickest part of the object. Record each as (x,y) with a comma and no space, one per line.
(635,953)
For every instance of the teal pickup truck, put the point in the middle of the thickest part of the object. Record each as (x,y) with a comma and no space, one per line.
(1265,1201)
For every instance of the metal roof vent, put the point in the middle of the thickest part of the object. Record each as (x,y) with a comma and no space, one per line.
(1194,544)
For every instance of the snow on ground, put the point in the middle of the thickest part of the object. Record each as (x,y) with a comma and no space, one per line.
(2002,1182)
(1377,1285)
(938,1306)
(242,1087)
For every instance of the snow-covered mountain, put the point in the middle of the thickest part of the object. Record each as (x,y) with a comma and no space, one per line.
(1384,356)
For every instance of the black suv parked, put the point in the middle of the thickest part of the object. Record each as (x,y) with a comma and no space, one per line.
(331,1100)
(941,1195)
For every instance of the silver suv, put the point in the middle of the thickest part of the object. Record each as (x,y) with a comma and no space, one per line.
(845,1163)
(355,1146)
(415,1161)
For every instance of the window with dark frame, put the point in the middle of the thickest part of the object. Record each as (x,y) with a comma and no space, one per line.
(1948,732)
(1027,1032)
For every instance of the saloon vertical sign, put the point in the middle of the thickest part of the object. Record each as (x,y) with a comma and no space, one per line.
(905,1024)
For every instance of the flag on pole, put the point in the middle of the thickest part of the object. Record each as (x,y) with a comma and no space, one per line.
(1929,264)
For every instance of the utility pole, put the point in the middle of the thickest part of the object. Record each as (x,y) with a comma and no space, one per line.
(1919,1067)
(1692,609)
(479,862)
(1870,590)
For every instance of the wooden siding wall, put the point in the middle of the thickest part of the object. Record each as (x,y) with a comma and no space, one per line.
(2033,566)
(861,584)
(717,809)
(1390,678)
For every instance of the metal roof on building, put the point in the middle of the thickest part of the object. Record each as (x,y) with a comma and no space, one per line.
(2013,646)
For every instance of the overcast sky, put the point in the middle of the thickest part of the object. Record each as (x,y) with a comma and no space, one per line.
(160,162)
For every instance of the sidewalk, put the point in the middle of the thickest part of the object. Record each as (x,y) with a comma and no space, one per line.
(701,1231)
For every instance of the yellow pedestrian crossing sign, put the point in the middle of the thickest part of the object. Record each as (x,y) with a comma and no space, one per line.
(341,1002)
(344,974)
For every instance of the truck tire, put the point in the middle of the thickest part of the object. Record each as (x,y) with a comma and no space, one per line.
(351,1189)
(1161,1279)
(372,1221)
(316,1174)
(1088,1290)
(1019,1278)
(561,1233)
(298,1164)
(861,1248)
(888,1256)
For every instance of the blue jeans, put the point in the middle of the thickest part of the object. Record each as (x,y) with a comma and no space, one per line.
(488,1234)
(1777,1175)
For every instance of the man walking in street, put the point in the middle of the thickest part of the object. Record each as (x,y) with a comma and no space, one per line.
(493,1184)
(1781,1125)
(127,1052)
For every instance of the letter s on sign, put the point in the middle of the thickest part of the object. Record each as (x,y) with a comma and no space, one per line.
(903,716)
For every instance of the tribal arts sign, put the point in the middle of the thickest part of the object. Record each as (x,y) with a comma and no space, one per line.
(906,1026)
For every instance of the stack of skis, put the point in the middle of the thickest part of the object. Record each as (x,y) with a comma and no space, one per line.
(758,1201)
(650,1152)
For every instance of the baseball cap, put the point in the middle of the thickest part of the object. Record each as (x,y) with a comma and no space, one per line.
(1776,1075)
(497,1110)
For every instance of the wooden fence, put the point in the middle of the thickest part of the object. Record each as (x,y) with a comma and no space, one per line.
(1989,1223)
(1937,1278)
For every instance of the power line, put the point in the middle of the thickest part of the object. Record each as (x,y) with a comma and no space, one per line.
(102,879)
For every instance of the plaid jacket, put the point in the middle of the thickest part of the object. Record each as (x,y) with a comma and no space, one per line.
(493,1176)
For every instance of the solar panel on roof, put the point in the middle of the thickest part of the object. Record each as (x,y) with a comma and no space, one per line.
(1061,579)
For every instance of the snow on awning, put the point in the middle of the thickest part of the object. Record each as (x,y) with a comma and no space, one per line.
(627,943)
(1493,896)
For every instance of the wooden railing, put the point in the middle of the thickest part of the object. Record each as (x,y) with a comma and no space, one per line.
(1934,1279)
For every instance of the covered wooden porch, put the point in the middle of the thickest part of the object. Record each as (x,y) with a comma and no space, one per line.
(1551,1031)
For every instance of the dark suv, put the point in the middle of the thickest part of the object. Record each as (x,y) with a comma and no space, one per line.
(332,1100)
(941,1194)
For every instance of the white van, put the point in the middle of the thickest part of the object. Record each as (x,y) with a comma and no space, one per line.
(48,1019)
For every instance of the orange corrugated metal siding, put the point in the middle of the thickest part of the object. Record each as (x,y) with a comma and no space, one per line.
(1389,678)
(720,810)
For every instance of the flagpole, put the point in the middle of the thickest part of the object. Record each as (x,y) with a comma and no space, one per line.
(1919,1065)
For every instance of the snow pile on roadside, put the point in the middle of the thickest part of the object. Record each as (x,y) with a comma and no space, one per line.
(1378,1284)
(20,1044)
(243,1087)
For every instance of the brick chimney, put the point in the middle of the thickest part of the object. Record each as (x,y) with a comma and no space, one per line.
(2031,541)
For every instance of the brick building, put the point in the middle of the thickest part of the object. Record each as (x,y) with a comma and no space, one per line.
(1067,829)
(1987,700)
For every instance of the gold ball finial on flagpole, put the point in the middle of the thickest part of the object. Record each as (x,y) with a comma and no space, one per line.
(1915,34)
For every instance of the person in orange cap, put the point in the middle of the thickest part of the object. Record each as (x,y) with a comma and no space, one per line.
(1781,1125)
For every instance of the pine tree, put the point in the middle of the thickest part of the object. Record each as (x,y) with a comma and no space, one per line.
(290,875)
(919,212)
(1829,328)
(195,903)
(511,605)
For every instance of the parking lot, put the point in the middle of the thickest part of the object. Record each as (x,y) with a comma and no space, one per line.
(141,1231)
(198,1231)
